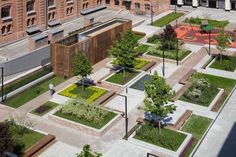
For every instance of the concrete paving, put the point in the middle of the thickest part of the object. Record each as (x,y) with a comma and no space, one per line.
(220,141)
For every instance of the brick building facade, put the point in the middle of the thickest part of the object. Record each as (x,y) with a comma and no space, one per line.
(19,18)
(140,7)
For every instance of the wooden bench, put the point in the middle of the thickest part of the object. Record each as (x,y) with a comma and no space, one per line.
(187,76)
(39,145)
(148,66)
(105,97)
(218,103)
(180,121)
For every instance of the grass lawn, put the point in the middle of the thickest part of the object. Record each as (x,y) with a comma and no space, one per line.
(120,78)
(29,138)
(167,139)
(90,93)
(219,82)
(167,19)
(45,108)
(138,36)
(141,49)
(228,63)
(171,54)
(196,125)
(26,79)
(84,121)
(214,23)
(140,63)
(33,92)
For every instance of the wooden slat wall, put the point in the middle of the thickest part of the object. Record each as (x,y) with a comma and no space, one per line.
(94,47)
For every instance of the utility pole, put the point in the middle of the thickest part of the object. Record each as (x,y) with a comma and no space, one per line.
(2,89)
(151,14)
(46,14)
(163,60)
(126,116)
(177,51)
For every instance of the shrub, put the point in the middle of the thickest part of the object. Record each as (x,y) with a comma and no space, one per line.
(153,38)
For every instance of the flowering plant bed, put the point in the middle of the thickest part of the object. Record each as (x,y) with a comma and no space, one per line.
(86,114)
(45,108)
(90,93)
(201,92)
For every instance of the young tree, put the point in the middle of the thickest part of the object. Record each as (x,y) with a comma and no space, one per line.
(6,139)
(157,96)
(168,36)
(87,152)
(81,66)
(123,50)
(223,41)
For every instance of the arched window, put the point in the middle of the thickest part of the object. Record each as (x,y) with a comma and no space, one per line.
(33,21)
(137,5)
(53,15)
(87,5)
(6,11)
(71,10)
(67,11)
(8,28)
(28,22)
(30,6)
(3,30)
(49,16)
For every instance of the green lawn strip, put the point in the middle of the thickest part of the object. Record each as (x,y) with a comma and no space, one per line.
(214,23)
(91,123)
(141,49)
(228,63)
(44,109)
(172,54)
(167,19)
(88,93)
(26,79)
(121,78)
(167,139)
(29,138)
(220,82)
(206,97)
(33,92)
(197,126)
(138,36)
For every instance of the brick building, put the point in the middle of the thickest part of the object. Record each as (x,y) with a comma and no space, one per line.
(19,18)
(140,7)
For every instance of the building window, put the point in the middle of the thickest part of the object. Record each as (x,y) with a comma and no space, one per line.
(3,30)
(49,16)
(30,6)
(117,2)
(107,1)
(71,10)
(50,3)
(137,5)
(9,29)
(67,11)
(5,11)
(99,2)
(28,22)
(147,7)
(53,15)
(33,21)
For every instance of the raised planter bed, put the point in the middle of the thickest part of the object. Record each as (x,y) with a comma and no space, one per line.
(105,97)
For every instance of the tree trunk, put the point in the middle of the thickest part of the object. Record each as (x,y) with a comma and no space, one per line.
(123,71)
(169,46)
(83,83)
(221,57)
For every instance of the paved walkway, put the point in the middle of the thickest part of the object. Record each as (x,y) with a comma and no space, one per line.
(186,67)
(221,139)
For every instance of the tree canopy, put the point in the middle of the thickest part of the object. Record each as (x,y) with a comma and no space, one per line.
(87,152)
(6,139)
(81,65)
(169,35)
(223,41)
(123,49)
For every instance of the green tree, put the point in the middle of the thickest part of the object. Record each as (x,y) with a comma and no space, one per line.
(123,50)
(6,139)
(157,96)
(81,66)
(87,152)
(223,41)
(168,37)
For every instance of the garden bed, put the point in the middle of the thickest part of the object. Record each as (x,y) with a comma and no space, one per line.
(168,139)
(214,23)
(33,92)
(228,63)
(45,108)
(88,93)
(200,92)
(138,64)
(141,49)
(167,19)
(85,117)
(121,78)
(197,126)
(138,35)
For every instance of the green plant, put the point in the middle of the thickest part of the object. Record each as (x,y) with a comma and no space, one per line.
(153,39)
(157,96)
(223,41)
(167,19)
(87,152)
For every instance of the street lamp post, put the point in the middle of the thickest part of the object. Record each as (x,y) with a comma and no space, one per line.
(151,14)
(175,6)
(163,59)
(126,116)
(209,42)
(177,51)
(46,14)
(2,83)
